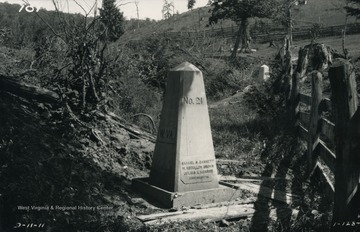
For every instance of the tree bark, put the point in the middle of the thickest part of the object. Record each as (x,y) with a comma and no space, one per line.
(289,15)
(245,36)
(237,43)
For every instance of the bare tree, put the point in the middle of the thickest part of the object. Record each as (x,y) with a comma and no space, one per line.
(136,2)
(167,8)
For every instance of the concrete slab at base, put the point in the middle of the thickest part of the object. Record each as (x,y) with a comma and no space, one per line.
(190,198)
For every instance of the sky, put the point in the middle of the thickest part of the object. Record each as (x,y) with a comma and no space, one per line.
(147,8)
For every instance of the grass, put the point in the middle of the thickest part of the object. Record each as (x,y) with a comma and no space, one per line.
(233,134)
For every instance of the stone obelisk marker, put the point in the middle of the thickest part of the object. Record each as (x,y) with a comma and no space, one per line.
(184,158)
(183,171)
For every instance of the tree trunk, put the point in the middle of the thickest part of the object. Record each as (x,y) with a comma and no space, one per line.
(245,36)
(315,57)
(237,43)
(289,15)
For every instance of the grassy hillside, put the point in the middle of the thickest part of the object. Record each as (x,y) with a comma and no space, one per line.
(325,12)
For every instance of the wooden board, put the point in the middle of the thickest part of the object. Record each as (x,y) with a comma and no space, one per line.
(304,98)
(330,190)
(326,155)
(251,178)
(265,191)
(304,133)
(214,214)
(304,119)
(328,129)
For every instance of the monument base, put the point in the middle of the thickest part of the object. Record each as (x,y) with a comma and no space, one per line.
(190,198)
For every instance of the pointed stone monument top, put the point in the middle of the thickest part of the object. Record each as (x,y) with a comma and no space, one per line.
(186,66)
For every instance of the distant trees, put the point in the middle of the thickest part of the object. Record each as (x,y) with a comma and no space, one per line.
(22,28)
(241,11)
(191,4)
(112,20)
(353,8)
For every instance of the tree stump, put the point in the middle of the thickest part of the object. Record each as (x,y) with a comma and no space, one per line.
(315,57)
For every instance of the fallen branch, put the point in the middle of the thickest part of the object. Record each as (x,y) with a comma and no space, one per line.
(149,117)
(27,91)
(133,130)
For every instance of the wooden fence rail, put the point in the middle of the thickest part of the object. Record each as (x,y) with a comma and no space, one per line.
(343,134)
(276,34)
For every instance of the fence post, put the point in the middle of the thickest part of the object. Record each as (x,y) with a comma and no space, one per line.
(288,70)
(345,106)
(314,129)
(294,98)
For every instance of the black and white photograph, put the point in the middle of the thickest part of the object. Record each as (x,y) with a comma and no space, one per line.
(179,115)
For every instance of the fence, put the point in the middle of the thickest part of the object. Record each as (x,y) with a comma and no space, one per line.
(343,134)
(276,34)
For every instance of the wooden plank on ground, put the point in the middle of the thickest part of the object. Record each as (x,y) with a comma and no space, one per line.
(214,214)
(265,191)
(328,129)
(249,200)
(327,155)
(154,216)
(251,178)
(226,161)
(236,179)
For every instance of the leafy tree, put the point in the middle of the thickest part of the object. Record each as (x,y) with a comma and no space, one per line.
(112,20)
(241,11)
(191,4)
(353,8)
(315,31)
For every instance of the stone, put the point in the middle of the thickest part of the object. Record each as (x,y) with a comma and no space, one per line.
(264,73)
(184,158)
(183,170)
(121,137)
